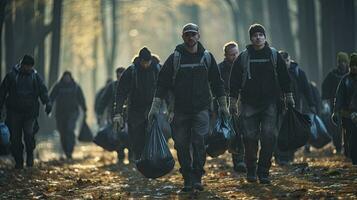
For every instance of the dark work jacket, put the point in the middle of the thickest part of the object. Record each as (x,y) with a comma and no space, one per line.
(301,87)
(263,88)
(138,88)
(329,85)
(68,97)
(106,100)
(346,95)
(21,91)
(225,68)
(192,84)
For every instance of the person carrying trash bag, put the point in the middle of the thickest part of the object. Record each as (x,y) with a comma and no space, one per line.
(68,96)
(156,159)
(231,52)
(136,86)
(346,109)
(190,72)
(258,76)
(20,90)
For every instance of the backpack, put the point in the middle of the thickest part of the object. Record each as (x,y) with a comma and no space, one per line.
(205,60)
(246,64)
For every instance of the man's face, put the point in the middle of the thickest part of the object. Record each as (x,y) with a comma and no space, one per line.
(231,54)
(190,38)
(26,68)
(67,78)
(258,39)
(343,66)
(353,69)
(119,75)
(145,63)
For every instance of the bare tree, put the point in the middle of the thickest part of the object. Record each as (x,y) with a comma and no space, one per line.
(56,41)
(2,18)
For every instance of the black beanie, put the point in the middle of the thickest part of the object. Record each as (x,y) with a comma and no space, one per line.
(145,54)
(27,60)
(254,28)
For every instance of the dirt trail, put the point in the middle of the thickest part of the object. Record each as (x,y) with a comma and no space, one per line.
(94,174)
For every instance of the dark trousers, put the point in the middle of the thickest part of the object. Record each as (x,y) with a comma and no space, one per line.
(351,139)
(189,132)
(20,125)
(66,125)
(259,125)
(137,123)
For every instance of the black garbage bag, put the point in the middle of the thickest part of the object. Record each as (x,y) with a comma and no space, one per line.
(294,131)
(4,139)
(237,143)
(221,138)
(156,159)
(85,134)
(319,135)
(108,139)
(165,125)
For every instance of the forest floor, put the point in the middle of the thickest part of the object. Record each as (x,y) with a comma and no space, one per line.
(95,174)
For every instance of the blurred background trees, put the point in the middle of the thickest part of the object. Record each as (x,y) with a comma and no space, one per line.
(93,37)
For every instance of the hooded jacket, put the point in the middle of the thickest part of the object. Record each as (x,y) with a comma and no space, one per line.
(68,97)
(263,88)
(301,87)
(137,87)
(329,85)
(193,83)
(21,90)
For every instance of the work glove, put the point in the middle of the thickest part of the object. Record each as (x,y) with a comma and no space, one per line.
(354,117)
(289,99)
(48,108)
(223,107)
(155,108)
(233,105)
(118,122)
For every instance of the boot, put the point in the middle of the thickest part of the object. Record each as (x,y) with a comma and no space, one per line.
(197,182)
(29,159)
(187,183)
(263,176)
(251,175)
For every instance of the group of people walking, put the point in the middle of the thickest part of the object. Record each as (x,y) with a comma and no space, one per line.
(256,84)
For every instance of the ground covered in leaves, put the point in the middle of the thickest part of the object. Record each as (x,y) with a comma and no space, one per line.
(95,174)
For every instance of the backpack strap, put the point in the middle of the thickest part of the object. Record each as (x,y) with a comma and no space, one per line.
(274,60)
(176,62)
(206,59)
(134,76)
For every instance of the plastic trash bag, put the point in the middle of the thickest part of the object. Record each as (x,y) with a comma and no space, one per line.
(85,134)
(294,131)
(156,159)
(165,125)
(4,139)
(237,142)
(319,135)
(221,138)
(110,140)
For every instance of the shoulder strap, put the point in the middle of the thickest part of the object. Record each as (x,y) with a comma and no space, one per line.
(246,67)
(206,59)
(134,76)
(176,63)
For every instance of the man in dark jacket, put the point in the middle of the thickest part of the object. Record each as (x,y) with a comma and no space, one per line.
(190,72)
(346,108)
(69,97)
(257,75)
(231,52)
(106,102)
(137,85)
(329,86)
(101,120)
(20,90)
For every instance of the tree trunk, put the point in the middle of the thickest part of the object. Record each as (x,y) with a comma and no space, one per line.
(308,38)
(9,38)
(2,18)
(109,56)
(56,41)
(40,39)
